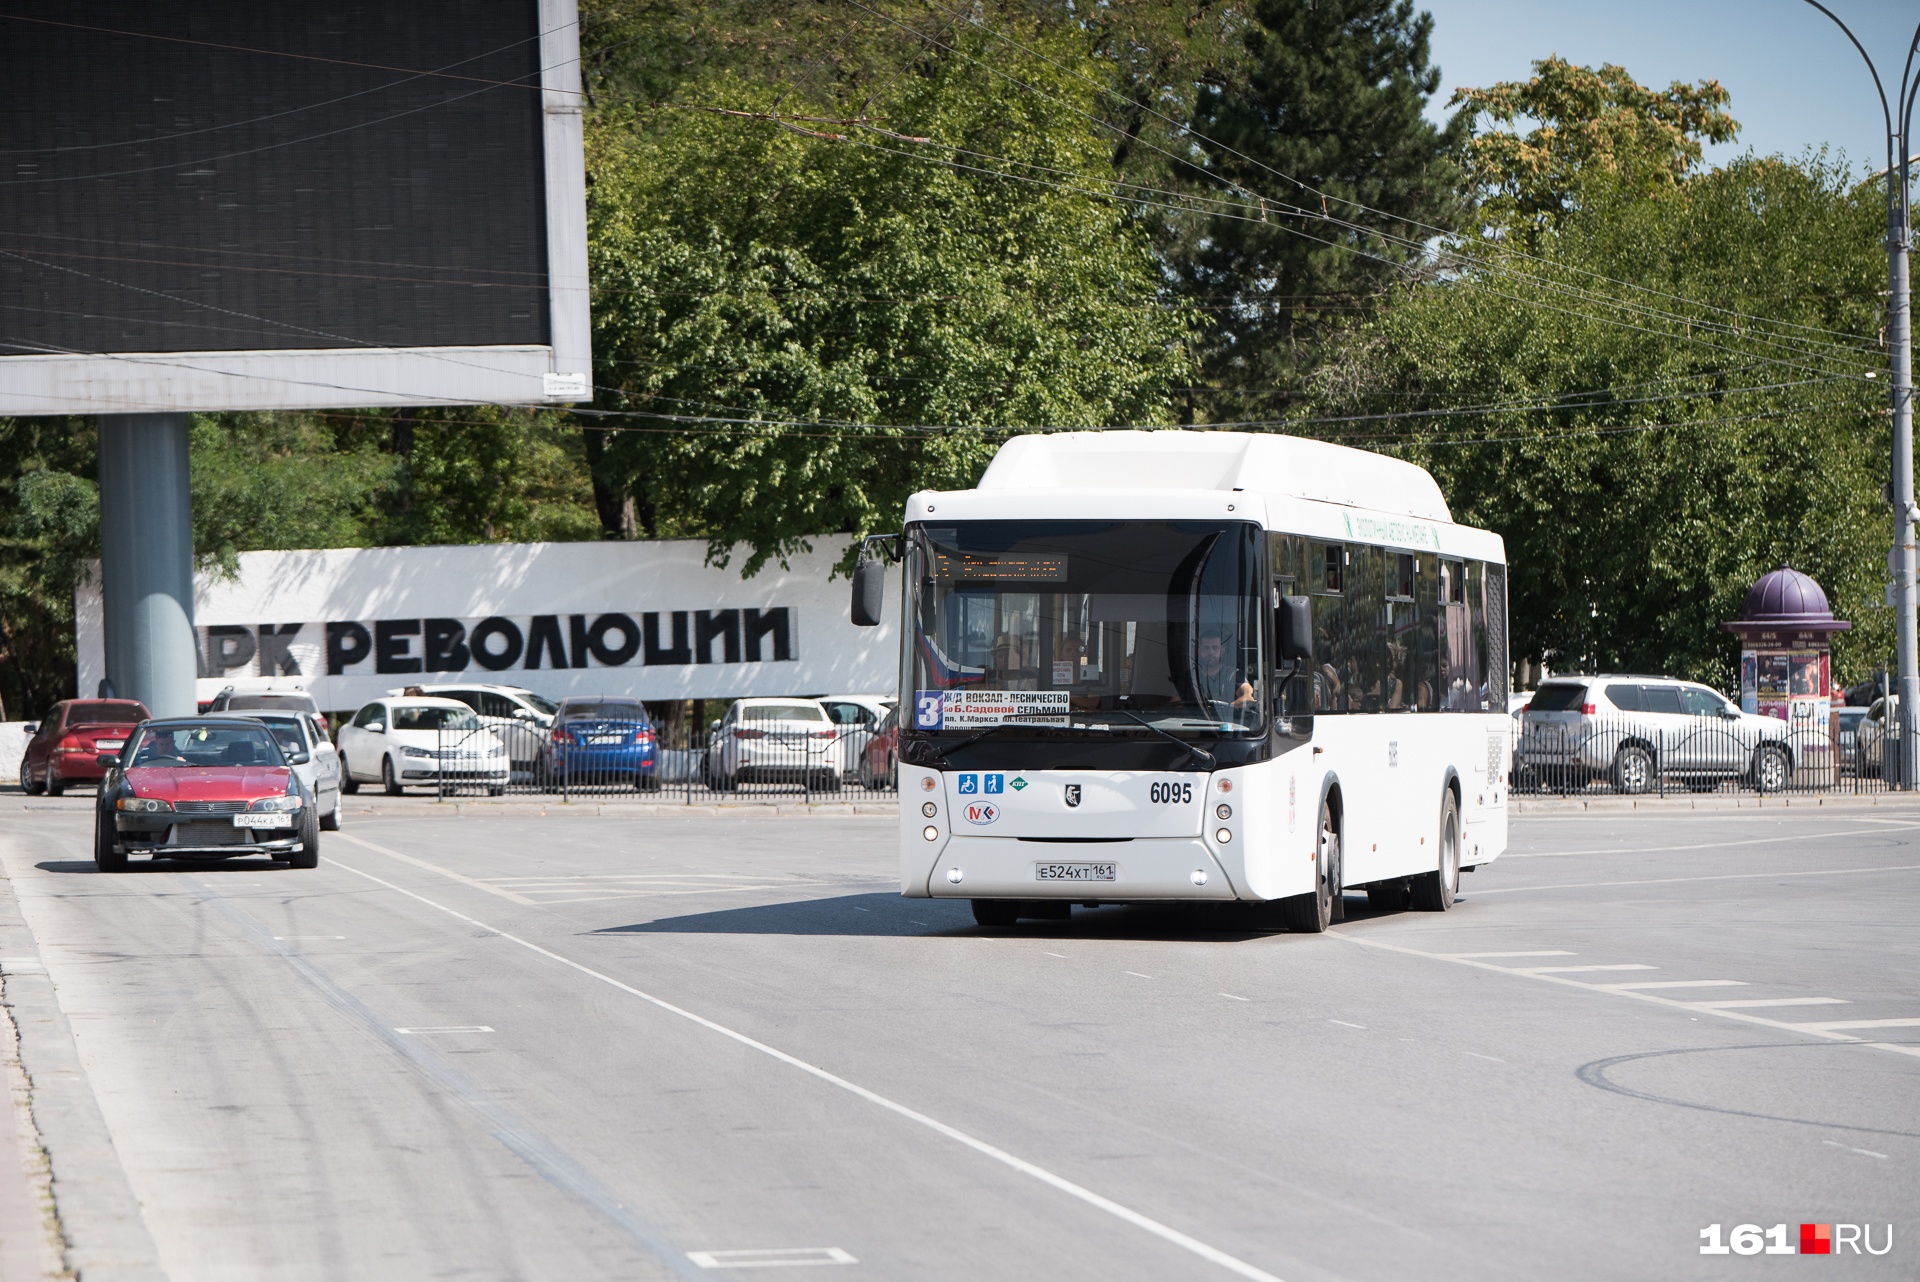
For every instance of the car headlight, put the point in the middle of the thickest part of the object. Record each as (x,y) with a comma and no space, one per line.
(276,804)
(416,752)
(143,805)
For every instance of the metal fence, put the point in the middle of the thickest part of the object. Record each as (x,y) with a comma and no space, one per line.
(747,760)
(1661,754)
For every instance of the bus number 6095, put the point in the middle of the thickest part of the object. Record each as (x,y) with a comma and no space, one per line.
(1173,794)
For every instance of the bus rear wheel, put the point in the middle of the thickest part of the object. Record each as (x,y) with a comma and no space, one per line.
(1433,892)
(1312,912)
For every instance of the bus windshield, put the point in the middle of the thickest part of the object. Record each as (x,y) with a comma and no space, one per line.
(1096,626)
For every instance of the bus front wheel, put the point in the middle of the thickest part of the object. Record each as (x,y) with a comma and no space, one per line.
(1312,912)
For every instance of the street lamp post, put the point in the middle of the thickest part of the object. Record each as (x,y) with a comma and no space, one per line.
(1905,561)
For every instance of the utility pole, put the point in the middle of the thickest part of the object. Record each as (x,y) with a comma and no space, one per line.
(1904,560)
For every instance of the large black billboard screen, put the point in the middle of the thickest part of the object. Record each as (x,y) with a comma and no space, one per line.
(228,175)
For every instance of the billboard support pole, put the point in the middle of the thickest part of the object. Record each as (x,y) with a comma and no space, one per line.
(146,561)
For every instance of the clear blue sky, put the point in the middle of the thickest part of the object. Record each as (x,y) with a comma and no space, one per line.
(1796,81)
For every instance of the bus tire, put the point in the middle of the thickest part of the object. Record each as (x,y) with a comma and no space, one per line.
(998,914)
(1312,912)
(1433,892)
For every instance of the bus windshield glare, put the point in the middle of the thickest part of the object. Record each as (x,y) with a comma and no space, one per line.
(1097,626)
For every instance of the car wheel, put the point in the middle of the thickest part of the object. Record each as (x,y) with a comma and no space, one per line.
(647,782)
(55,786)
(893,771)
(105,857)
(331,820)
(389,784)
(828,783)
(496,790)
(27,785)
(1633,769)
(1312,912)
(1433,892)
(1771,768)
(348,784)
(308,856)
(997,914)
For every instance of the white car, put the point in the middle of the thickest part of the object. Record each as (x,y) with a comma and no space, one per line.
(303,737)
(1633,729)
(775,741)
(517,715)
(420,741)
(859,717)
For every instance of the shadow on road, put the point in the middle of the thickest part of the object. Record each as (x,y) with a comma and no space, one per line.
(238,864)
(891,915)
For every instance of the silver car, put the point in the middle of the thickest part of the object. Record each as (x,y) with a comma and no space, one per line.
(303,737)
(1631,730)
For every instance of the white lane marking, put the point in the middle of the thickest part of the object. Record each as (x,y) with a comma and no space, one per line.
(1683,983)
(1748,1003)
(1726,876)
(474,882)
(773,1258)
(448,1028)
(1864,1152)
(1865,1023)
(1236,997)
(1344,1024)
(1578,970)
(1137,975)
(285,938)
(22,966)
(1079,1192)
(1061,956)
(1654,999)
(1543,952)
(1478,1055)
(1892,826)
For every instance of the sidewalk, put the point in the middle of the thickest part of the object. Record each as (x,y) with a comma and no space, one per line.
(1600,802)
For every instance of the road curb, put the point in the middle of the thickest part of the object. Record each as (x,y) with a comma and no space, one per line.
(100,1219)
(1580,805)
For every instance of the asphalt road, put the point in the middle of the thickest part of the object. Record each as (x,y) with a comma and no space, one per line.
(518,1047)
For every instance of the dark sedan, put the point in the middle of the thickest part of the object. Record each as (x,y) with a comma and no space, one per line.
(200,788)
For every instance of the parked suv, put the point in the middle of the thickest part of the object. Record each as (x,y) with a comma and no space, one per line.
(1632,730)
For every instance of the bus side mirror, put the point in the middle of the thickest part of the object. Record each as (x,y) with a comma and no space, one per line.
(1293,629)
(869,593)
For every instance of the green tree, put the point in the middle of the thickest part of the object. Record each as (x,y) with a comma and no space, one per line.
(873,301)
(1645,453)
(1599,134)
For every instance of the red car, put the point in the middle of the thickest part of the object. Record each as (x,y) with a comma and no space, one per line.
(880,763)
(201,788)
(67,742)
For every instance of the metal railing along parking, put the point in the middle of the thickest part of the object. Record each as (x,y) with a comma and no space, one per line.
(752,760)
(1659,755)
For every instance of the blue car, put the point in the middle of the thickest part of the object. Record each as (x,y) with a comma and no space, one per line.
(598,741)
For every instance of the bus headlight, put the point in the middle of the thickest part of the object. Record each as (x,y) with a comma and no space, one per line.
(1223,836)
(930,832)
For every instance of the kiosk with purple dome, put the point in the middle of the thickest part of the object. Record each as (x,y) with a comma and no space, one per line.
(1786,665)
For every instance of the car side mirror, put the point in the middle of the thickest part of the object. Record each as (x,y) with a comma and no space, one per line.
(521,714)
(869,593)
(299,758)
(1731,714)
(714,725)
(107,759)
(32,727)
(376,727)
(1293,629)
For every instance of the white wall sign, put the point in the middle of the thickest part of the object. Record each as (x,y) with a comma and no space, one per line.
(651,620)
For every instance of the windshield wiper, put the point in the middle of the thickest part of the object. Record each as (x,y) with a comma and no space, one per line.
(1194,748)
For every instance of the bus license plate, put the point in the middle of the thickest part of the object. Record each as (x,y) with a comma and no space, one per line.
(263,821)
(1075,872)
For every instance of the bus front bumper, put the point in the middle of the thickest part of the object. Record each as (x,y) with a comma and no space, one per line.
(1147,868)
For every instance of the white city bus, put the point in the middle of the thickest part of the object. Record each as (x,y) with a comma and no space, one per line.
(1196,666)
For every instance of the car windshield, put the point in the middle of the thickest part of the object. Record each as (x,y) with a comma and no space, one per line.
(603,710)
(434,718)
(539,704)
(184,747)
(1052,623)
(103,714)
(243,702)
(284,729)
(782,712)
